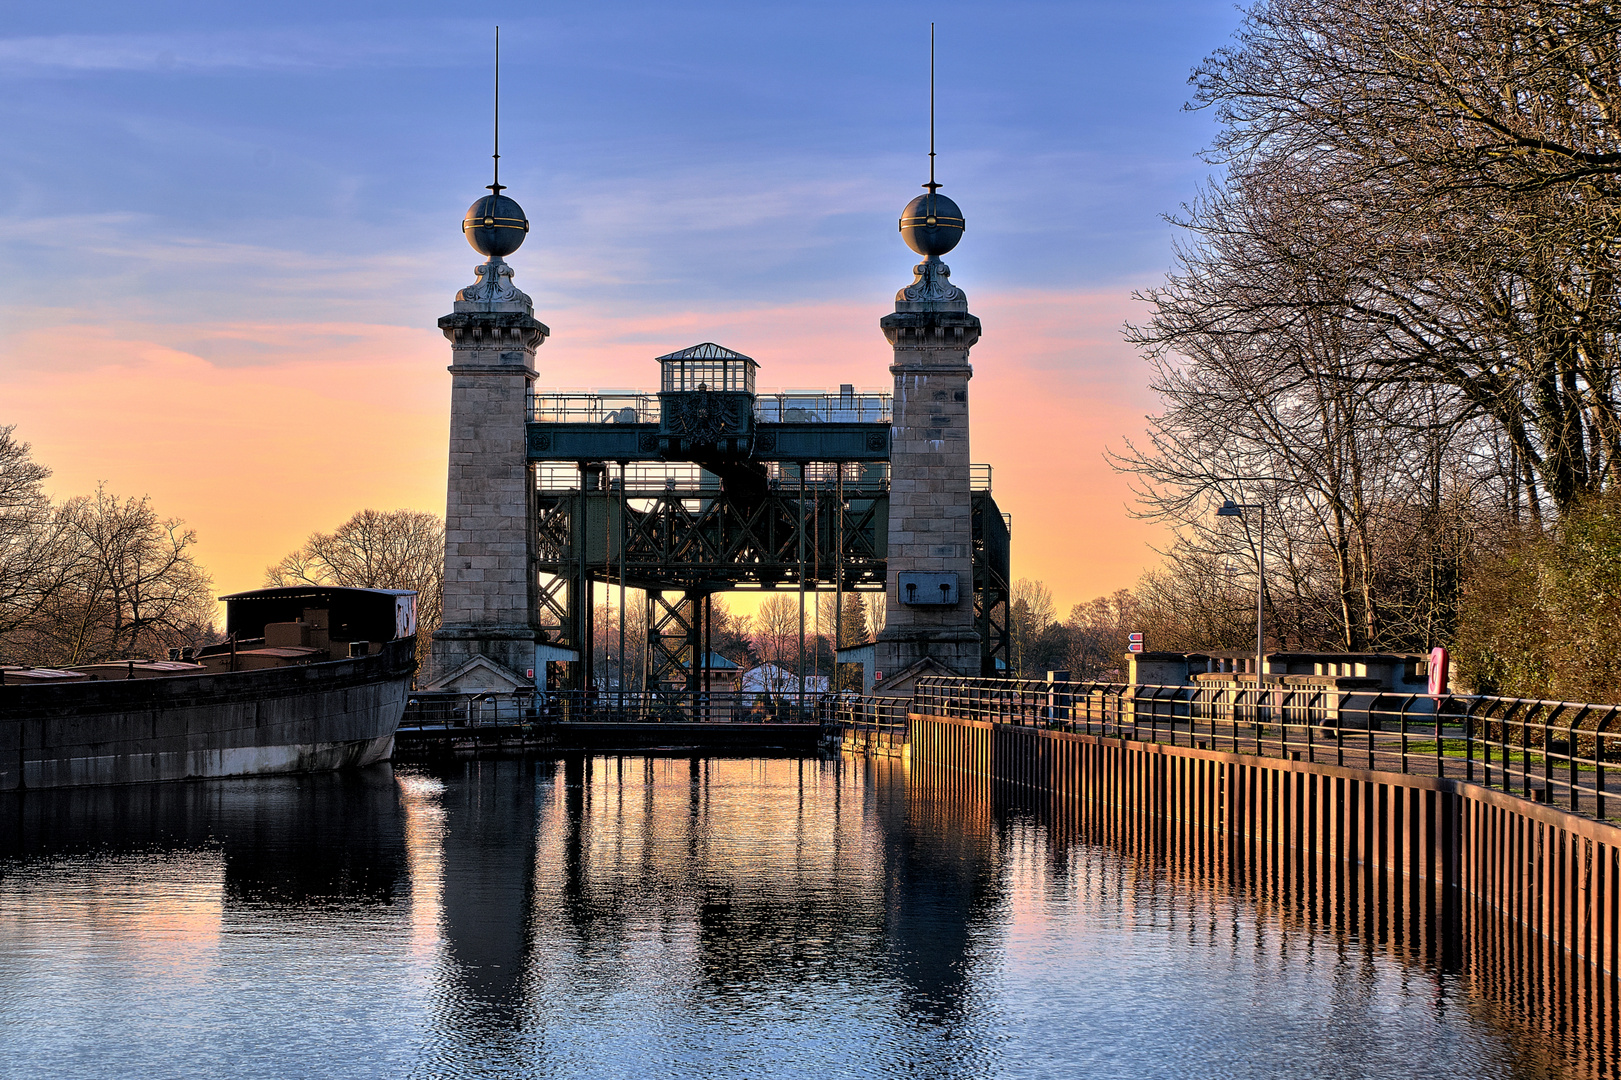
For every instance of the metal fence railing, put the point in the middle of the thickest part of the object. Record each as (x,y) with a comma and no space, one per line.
(439,711)
(1564,753)
(678,706)
(809,406)
(770,406)
(865,714)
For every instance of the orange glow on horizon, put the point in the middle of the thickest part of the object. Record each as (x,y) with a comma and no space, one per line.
(258,435)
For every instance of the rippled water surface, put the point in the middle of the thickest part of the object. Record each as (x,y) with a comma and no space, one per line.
(660,916)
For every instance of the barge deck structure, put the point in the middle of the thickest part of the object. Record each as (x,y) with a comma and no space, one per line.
(311,679)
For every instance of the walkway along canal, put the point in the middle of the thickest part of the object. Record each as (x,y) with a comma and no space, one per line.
(1273,794)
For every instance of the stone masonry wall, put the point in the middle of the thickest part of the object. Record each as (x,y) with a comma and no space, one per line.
(930,507)
(489,585)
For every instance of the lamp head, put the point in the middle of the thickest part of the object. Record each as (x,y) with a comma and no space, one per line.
(1230,509)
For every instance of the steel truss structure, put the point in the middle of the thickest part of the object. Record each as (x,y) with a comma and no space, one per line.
(715,496)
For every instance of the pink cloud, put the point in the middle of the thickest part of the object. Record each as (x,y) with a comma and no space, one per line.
(259,433)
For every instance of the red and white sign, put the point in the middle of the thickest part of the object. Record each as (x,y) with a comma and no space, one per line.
(1136,640)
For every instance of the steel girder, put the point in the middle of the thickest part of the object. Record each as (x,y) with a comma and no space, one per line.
(689,543)
(707,541)
(672,635)
(766,442)
(992,589)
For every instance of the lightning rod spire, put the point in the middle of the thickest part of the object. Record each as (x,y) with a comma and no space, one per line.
(931,185)
(497,186)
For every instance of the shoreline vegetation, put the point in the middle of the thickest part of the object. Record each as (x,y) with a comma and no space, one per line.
(1393,320)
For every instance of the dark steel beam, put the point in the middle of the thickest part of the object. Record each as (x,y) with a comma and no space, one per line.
(772,442)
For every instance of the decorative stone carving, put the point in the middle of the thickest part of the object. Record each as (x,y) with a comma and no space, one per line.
(494,285)
(931,285)
(701,415)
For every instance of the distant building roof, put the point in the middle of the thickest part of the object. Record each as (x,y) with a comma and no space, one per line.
(769,678)
(717,662)
(707,351)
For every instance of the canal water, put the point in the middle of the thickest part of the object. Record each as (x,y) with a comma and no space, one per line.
(669,917)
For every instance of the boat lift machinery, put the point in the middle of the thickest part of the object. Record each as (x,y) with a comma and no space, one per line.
(709,486)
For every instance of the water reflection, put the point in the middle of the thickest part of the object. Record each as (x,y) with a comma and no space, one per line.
(282,844)
(640,915)
(737,892)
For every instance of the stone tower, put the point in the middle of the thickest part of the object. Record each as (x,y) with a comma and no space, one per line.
(930,587)
(490,581)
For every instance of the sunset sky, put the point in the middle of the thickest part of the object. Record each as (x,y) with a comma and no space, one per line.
(225,235)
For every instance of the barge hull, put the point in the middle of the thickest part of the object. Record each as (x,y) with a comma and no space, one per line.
(308,718)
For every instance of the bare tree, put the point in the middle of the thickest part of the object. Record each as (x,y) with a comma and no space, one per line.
(1394,320)
(35,556)
(377,549)
(1470,152)
(776,639)
(134,589)
(1097,638)
(1031,613)
(729,632)
(876,606)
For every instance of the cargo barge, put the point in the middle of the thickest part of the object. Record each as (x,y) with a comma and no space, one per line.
(309,679)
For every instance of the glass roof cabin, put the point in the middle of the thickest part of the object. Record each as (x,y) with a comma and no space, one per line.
(707,367)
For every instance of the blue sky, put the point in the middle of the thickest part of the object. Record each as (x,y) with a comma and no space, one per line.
(667,154)
(179,168)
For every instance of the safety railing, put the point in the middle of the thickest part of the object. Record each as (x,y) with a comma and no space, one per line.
(720,705)
(811,407)
(591,407)
(859,713)
(442,712)
(860,479)
(645,477)
(1564,753)
(771,407)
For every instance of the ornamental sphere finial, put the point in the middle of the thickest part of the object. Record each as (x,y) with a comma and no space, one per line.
(495,226)
(931,224)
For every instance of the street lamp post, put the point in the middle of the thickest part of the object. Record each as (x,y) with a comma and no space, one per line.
(1232,509)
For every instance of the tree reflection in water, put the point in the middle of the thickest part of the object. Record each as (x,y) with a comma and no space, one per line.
(678,916)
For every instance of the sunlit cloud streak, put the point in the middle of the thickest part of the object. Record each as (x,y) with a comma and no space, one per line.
(225,233)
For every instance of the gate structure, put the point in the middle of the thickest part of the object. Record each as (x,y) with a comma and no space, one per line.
(709,486)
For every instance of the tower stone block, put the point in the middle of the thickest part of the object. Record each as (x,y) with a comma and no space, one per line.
(489,579)
(930,507)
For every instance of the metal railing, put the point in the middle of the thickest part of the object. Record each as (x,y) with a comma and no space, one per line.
(813,407)
(721,705)
(444,711)
(592,407)
(439,711)
(657,476)
(859,713)
(1564,753)
(772,407)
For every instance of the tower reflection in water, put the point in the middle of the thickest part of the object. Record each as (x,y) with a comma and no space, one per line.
(612,916)
(634,909)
